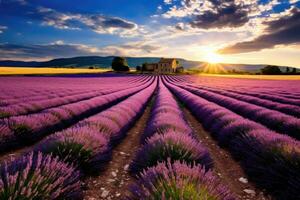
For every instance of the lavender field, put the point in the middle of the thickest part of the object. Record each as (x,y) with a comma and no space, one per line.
(173,137)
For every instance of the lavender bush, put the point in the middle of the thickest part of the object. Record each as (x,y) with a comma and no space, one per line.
(37,176)
(83,147)
(272,161)
(178,181)
(172,145)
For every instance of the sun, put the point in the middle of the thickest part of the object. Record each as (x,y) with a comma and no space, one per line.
(213,58)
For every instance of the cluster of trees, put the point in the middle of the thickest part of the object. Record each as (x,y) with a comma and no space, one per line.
(275,70)
(120,64)
(141,68)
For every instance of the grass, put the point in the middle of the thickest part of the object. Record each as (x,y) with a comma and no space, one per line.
(37,71)
(265,77)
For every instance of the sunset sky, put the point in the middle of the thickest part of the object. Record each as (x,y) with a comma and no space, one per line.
(229,31)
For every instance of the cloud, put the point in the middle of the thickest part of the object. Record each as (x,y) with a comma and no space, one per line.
(220,14)
(212,13)
(168,1)
(224,13)
(109,25)
(281,31)
(60,49)
(148,48)
(2,28)
(98,23)
(180,26)
(45,51)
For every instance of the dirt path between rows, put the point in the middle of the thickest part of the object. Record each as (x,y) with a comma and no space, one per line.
(13,154)
(225,166)
(112,184)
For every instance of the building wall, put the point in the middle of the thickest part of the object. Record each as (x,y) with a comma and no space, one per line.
(163,67)
(150,66)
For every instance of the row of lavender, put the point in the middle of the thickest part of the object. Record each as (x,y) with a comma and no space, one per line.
(281,88)
(270,159)
(29,107)
(289,105)
(20,130)
(281,107)
(275,120)
(171,163)
(55,166)
(15,90)
(274,90)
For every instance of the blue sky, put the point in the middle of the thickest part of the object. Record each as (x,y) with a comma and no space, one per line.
(232,31)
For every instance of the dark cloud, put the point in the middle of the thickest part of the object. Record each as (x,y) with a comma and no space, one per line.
(224,13)
(111,22)
(66,20)
(98,23)
(283,31)
(106,24)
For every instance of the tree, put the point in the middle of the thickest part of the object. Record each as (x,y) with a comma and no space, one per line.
(271,70)
(138,68)
(119,64)
(287,70)
(144,67)
(294,71)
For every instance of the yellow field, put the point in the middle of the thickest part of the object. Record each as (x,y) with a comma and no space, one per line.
(265,77)
(37,71)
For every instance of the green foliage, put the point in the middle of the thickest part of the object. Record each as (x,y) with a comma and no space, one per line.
(21,129)
(144,66)
(71,152)
(271,70)
(186,190)
(119,64)
(138,68)
(4,114)
(170,150)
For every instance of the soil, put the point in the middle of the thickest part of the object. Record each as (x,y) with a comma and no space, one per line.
(225,166)
(11,155)
(113,183)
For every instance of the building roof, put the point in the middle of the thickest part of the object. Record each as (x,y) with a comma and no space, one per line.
(167,60)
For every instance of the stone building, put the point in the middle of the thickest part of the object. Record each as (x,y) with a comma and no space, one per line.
(164,66)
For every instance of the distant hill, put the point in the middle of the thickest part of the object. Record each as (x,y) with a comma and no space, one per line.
(84,61)
(105,62)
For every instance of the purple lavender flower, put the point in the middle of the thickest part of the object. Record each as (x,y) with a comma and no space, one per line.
(178,181)
(172,145)
(84,147)
(271,160)
(36,176)
(164,122)
(236,129)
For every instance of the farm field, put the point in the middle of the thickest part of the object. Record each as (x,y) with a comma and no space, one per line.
(40,71)
(183,137)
